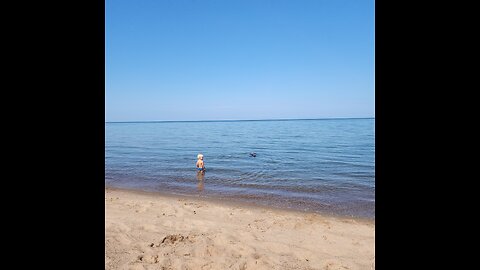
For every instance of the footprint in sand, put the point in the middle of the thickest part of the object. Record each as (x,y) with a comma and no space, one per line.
(333,266)
(123,239)
(120,227)
(173,239)
(148,259)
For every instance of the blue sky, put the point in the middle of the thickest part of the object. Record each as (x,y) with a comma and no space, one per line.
(239,59)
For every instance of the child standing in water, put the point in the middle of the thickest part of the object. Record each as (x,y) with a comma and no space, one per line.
(200,164)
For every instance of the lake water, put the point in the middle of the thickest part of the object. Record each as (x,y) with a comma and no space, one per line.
(324,165)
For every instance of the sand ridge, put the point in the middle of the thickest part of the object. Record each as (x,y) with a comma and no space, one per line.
(165,232)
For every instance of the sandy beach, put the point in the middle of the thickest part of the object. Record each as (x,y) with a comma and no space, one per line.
(153,231)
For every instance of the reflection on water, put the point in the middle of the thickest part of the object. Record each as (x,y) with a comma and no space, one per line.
(306,164)
(201,180)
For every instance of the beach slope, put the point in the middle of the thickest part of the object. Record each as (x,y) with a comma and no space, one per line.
(151,231)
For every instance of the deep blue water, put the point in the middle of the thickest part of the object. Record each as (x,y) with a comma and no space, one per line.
(325,165)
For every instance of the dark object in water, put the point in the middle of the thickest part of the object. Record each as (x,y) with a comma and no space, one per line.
(253,154)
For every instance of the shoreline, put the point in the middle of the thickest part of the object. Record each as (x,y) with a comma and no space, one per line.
(236,202)
(151,230)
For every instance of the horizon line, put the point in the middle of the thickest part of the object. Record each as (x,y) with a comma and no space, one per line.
(239,120)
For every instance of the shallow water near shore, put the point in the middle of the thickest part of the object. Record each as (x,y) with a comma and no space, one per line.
(324,165)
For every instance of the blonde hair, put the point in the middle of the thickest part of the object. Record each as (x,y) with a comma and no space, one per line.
(199,156)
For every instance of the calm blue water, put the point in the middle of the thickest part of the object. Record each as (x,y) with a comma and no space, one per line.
(325,166)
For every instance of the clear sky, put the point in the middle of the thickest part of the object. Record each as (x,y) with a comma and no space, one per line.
(239,59)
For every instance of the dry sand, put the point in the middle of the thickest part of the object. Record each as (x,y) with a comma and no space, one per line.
(152,231)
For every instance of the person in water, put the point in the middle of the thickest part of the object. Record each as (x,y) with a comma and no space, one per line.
(200,164)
